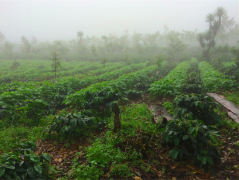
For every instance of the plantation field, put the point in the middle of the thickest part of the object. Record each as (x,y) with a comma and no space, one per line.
(93,121)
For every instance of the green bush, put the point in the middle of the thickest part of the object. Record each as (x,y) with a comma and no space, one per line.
(214,80)
(74,124)
(172,84)
(194,83)
(191,137)
(196,106)
(23,164)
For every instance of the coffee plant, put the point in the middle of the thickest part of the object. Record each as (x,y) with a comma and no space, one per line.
(75,124)
(196,106)
(191,138)
(23,164)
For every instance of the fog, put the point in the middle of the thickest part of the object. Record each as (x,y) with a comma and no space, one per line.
(61,20)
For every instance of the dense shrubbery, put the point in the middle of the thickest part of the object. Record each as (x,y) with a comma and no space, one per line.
(102,94)
(191,138)
(49,96)
(213,80)
(75,124)
(23,164)
(172,83)
(196,106)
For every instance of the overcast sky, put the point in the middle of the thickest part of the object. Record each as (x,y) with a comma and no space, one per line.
(60,20)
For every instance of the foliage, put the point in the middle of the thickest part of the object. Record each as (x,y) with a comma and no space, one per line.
(233,97)
(172,83)
(206,39)
(191,137)
(55,62)
(74,124)
(100,156)
(103,94)
(194,83)
(233,71)
(175,48)
(23,164)
(15,64)
(213,80)
(116,153)
(158,60)
(196,106)
(47,96)
(169,106)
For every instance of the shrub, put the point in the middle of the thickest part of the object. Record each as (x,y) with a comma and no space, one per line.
(196,106)
(74,124)
(191,137)
(23,164)
(194,84)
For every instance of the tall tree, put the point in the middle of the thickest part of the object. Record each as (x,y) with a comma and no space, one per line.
(207,39)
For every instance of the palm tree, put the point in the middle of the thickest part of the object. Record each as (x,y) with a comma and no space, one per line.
(220,12)
(206,39)
(210,19)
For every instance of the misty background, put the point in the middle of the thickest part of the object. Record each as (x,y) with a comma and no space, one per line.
(92,29)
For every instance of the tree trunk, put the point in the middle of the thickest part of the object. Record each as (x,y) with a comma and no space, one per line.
(117,123)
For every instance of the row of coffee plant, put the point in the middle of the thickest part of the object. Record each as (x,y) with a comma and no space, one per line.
(191,133)
(99,98)
(214,80)
(47,72)
(172,83)
(35,103)
(14,85)
(24,68)
(103,94)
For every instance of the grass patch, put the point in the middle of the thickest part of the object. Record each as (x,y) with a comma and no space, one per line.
(13,135)
(233,97)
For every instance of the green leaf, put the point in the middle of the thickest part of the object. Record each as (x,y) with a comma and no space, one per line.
(46,157)
(24,175)
(203,159)
(34,158)
(185,137)
(173,153)
(176,140)
(191,129)
(73,122)
(201,104)
(38,168)
(21,163)
(2,171)
(196,103)
(213,138)
(31,172)
(10,167)
(209,159)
